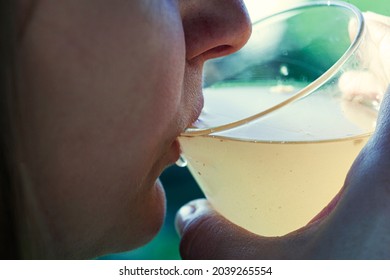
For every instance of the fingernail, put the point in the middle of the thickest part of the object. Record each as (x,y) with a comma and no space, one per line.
(183,216)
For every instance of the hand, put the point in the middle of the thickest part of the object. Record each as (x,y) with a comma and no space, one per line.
(355,225)
(370,85)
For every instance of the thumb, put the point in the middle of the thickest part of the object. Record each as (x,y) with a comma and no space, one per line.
(359,227)
(207,235)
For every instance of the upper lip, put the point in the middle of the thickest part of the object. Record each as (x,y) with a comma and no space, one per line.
(193,91)
(197,109)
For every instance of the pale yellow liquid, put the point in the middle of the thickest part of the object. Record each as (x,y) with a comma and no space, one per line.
(274,187)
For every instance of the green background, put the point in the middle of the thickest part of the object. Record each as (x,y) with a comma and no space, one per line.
(378,6)
(180,187)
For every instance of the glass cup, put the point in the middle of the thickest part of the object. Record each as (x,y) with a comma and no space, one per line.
(284,118)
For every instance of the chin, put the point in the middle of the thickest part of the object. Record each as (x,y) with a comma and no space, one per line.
(147,218)
(154,214)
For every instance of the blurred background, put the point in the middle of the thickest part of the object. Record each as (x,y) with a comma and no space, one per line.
(178,183)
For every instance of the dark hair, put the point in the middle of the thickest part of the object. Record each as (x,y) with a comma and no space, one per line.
(9,248)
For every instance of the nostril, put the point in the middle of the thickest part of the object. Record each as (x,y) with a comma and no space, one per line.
(214,28)
(218,51)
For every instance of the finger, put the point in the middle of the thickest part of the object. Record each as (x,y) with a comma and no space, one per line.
(377,17)
(361,87)
(352,29)
(207,235)
(359,227)
(379,32)
(374,53)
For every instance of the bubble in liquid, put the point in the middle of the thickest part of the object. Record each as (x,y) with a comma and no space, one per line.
(181,162)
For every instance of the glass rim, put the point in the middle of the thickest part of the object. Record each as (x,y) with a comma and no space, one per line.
(354,45)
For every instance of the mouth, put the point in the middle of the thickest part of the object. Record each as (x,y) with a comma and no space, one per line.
(177,149)
(174,152)
(175,146)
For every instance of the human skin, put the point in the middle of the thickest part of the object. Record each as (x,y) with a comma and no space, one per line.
(103,89)
(355,225)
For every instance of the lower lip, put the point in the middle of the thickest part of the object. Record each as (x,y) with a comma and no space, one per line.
(175,151)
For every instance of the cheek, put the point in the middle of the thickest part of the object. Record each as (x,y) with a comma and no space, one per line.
(165,100)
(162,115)
(162,119)
(96,118)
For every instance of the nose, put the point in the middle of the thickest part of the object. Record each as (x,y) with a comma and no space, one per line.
(214,28)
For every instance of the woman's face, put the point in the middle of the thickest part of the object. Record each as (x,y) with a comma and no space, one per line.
(104,88)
